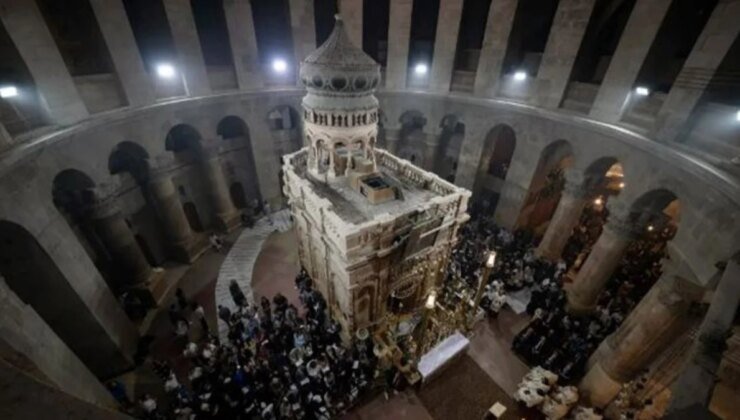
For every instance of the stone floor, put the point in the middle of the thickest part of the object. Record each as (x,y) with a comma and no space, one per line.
(267,256)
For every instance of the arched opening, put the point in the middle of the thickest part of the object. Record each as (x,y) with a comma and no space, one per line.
(184,141)
(31,274)
(129,157)
(238,155)
(191,213)
(238,197)
(411,138)
(493,165)
(546,187)
(603,180)
(285,125)
(448,147)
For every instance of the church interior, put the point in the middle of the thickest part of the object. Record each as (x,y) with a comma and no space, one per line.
(369,209)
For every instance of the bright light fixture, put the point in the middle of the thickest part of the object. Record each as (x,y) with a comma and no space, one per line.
(421,69)
(8,91)
(650,228)
(491,260)
(738,115)
(642,91)
(279,65)
(165,71)
(621,185)
(598,201)
(431,300)
(520,76)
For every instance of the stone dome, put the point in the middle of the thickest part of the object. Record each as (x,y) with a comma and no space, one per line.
(338,66)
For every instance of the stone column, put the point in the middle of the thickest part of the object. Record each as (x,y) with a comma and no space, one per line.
(118,36)
(495,43)
(445,44)
(637,38)
(120,242)
(696,383)
(351,11)
(399,36)
(26,27)
(431,143)
(573,200)
(566,34)
(604,258)
(163,194)
(187,43)
(5,139)
(240,23)
(648,330)
(266,162)
(302,23)
(227,216)
(710,49)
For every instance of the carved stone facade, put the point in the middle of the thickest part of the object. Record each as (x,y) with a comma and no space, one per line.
(374,231)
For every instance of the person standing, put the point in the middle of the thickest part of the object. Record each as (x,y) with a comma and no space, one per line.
(268,211)
(200,315)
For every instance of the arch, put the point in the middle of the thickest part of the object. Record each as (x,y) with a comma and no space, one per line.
(129,157)
(493,165)
(411,121)
(73,192)
(232,127)
(448,147)
(657,208)
(183,137)
(31,273)
(546,186)
(191,213)
(285,124)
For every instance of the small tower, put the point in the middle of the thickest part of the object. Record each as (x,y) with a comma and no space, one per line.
(340,109)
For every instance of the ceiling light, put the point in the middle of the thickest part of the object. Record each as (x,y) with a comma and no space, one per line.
(279,65)
(8,91)
(642,91)
(421,69)
(520,76)
(738,116)
(166,71)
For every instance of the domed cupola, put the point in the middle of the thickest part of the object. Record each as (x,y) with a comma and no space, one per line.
(339,68)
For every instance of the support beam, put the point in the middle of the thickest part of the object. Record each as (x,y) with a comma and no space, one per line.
(695,384)
(637,38)
(399,36)
(240,23)
(185,35)
(351,11)
(719,33)
(445,44)
(26,27)
(118,36)
(495,42)
(303,26)
(566,34)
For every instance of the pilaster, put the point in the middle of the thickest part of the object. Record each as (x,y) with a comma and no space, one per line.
(495,42)
(243,38)
(399,36)
(302,23)
(352,14)
(445,44)
(185,35)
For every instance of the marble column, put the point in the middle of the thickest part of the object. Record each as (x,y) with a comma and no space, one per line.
(5,139)
(120,242)
(445,44)
(118,36)
(695,384)
(243,38)
(227,216)
(651,327)
(604,258)
(637,38)
(27,29)
(495,42)
(573,200)
(431,144)
(185,35)
(163,194)
(399,37)
(566,34)
(302,24)
(351,11)
(710,49)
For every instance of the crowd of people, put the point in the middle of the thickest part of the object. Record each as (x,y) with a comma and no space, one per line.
(539,388)
(278,361)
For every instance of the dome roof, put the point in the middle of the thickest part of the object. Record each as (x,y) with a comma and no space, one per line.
(338,66)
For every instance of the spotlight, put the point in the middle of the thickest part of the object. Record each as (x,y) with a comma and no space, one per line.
(520,76)
(621,185)
(642,91)
(650,228)
(8,91)
(166,71)
(738,116)
(598,201)
(279,65)
(421,69)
